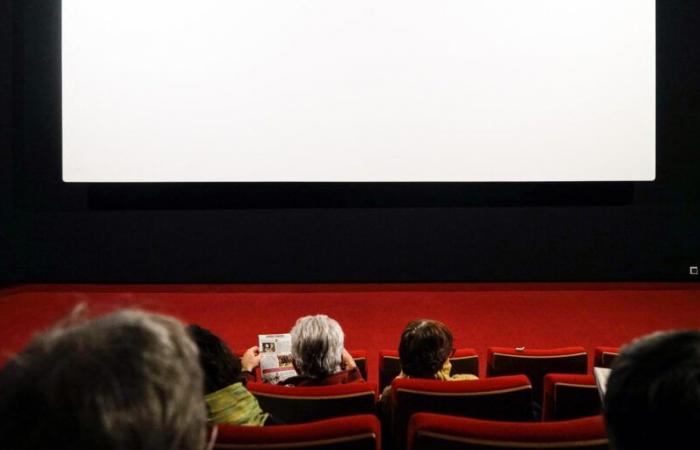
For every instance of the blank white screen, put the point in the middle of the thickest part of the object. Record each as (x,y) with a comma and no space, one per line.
(362,90)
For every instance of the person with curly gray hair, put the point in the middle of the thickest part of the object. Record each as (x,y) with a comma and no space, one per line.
(318,353)
(129,380)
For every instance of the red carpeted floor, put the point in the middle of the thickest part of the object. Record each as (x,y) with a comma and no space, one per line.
(531,315)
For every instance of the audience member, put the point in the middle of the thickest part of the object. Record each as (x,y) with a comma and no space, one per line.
(318,354)
(424,352)
(228,401)
(652,399)
(129,380)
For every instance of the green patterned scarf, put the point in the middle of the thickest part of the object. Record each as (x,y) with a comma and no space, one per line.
(234,405)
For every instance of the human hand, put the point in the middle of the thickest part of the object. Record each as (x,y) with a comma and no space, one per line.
(346,361)
(250,359)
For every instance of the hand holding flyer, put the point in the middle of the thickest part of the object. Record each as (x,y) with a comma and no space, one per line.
(250,359)
(276,357)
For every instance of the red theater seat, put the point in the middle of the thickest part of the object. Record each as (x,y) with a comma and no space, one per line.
(306,404)
(500,398)
(570,396)
(536,363)
(604,356)
(434,431)
(360,357)
(346,433)
(465,360)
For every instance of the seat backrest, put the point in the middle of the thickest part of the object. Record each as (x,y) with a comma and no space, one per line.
(464,360)
(500,398)
(360,432)
(389,367)
(360,357)
(434,431)
(570,396)
(536,363)
(306,404)
(604,356)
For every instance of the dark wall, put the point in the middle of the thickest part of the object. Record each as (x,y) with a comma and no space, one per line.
(343,233)
(9,236)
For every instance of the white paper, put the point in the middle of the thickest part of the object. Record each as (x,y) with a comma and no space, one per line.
(276,357)
(601,375)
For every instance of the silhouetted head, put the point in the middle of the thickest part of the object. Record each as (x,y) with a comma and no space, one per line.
(129,380)
(221,367)
(652,399)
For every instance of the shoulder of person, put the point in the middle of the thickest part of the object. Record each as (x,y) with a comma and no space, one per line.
(463,377)
(354,374)
(386,392)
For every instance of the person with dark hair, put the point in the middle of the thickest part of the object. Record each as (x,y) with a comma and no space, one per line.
(319,355)
(129,380)
(652,397)
(424,351)
(225,376)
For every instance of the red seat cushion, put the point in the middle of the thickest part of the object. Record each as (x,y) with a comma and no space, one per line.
(569,396)
(428,431)
(305,404)
(604,356)
(501,398)
(536,363)
(352,432)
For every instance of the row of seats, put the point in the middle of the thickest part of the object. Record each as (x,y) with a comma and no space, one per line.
(425,432)
(577,393)
(466,360)
(501,361)
(557,379)
(507,361)
(430,413)
(500,398)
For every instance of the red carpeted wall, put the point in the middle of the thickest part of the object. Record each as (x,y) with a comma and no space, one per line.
(531,315)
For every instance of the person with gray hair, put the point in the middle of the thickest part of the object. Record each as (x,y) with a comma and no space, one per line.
(318,354)
(129,380)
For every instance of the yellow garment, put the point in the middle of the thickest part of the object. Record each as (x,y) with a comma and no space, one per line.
(444,374)
(235,405)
